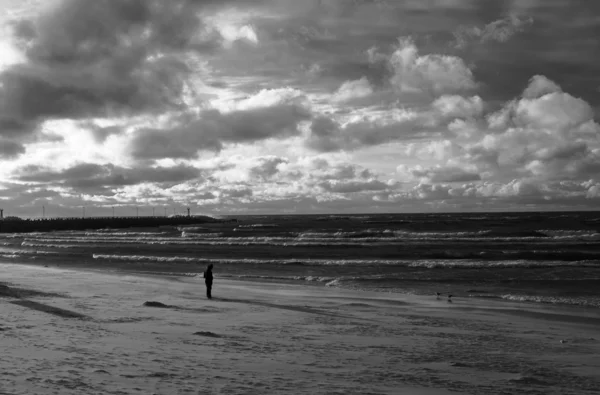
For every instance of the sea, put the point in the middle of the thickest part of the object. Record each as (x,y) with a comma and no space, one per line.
(532,257)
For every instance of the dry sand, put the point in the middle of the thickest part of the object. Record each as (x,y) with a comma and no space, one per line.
(88,332)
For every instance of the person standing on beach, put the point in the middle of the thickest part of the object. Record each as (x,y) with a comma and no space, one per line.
(208,280)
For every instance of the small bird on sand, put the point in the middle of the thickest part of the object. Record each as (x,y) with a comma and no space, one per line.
(449,297)
(437,295)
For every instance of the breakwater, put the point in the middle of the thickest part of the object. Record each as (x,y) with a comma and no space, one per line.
(56,224)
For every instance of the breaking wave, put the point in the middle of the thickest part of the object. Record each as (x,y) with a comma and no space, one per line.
(576,301)
(447,264)
(308,262)
(257,226)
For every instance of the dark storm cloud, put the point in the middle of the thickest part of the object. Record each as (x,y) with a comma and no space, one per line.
(323,43)
(335,35)
(15,127)
(561,43)
(328,136)
(353,186)
(266,167)
(211,129)
(88,175)
(10,149)
(445,174)
(103,58)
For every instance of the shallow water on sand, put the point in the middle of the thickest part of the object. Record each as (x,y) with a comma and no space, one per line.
(530,257)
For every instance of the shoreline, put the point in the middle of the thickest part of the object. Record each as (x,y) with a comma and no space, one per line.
(92,332)
(121,269)
(471,302)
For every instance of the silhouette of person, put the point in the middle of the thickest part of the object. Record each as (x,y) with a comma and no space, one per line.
(208,280)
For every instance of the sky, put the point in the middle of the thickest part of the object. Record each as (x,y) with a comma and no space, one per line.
(298,107)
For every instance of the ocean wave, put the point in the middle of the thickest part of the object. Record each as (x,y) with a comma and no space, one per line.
(200,235)
(334,283)
(196,229)
(49,245)
(455,263)
(126,234)
(274,241)
(336,217)
(367,233)
(308,262)
(281,278)
(367,237)
(24,254)
(163,273)
(28,252)
(577,301)
(424,263)
(572,234)
(257,226)
(198,241)
(10,256)
(109,240)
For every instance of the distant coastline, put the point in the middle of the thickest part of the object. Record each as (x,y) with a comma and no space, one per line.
(17,225)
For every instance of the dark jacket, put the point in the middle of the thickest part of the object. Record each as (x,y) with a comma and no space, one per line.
(208,277)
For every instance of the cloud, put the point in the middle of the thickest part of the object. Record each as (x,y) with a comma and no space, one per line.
(302,106)
(236,192)
(86,176)
(440,174)
(112,58)
(555,110)
(211,129)
(353,90)
(456,106)
(539,86)
(430,74)
(546,133)
(101,133)
(266,167)
(326,135)
(500,30)
(10,149)
(353,186)
(242,169)
(206,196)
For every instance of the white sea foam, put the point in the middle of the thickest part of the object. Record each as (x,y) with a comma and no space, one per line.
(284,242)
(126,234)
(365,238)
(315,262)
(258,226)
(333,283)
(467,263)
(49,245)
(28,252)
(579,301)
(192,229)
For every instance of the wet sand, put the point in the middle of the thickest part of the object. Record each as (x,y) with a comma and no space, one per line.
(73,332)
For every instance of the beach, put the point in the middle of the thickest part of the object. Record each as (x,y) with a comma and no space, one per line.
(65,331)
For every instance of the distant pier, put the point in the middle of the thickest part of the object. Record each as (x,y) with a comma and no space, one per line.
(18,225)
